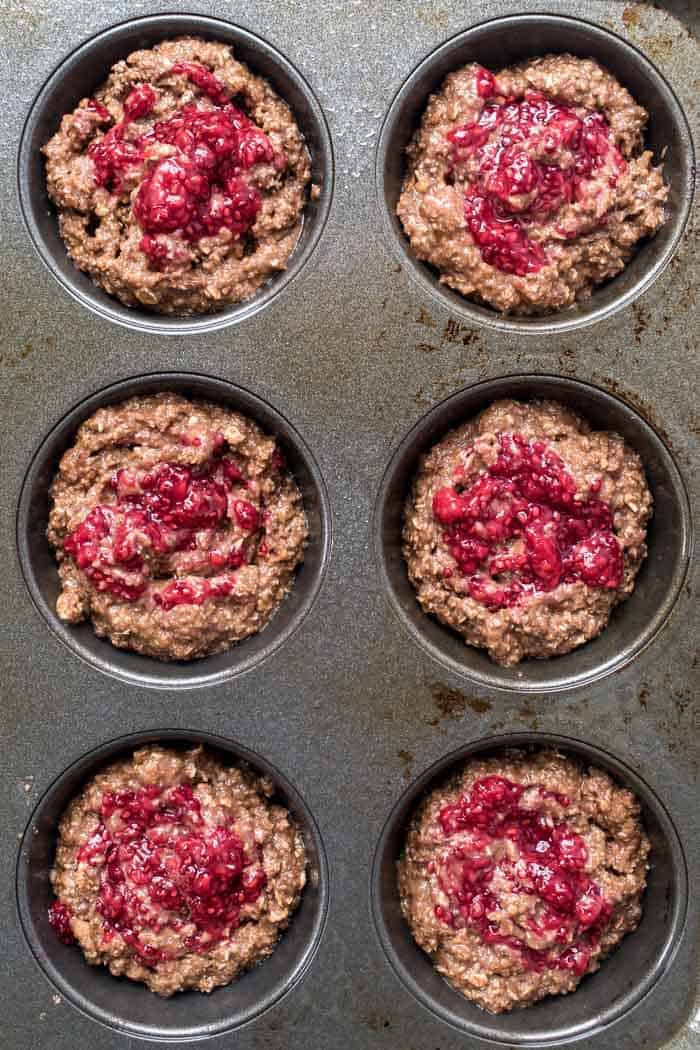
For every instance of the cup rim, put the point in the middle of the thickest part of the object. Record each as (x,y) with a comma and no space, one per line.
(471,311)
(489,390)
(71,420)
(403,808)
(134,318)
(93,760)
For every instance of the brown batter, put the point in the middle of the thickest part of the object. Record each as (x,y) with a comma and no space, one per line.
(525,528)
(176,870)
(521,874)
(180,186)
(528,189)
(176,526)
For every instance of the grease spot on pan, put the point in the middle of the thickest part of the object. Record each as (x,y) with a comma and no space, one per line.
(407,759)
(452,703)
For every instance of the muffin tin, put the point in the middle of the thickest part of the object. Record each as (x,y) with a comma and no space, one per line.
(359,714)
(39,564)
(497,43)
(84,70)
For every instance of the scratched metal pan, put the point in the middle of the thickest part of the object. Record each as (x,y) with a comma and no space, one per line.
(352,699)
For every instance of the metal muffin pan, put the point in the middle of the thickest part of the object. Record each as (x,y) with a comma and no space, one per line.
(125,1005)
(84,70)
(351,707)
(624,978)
(634,623)
(39,565)
(501,42)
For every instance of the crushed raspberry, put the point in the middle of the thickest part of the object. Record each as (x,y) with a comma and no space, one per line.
(198,190)
(156,251)
(485,82)
(524,159)
(247,515)
(112,156)
(503,242)
(520,528)
(162,869)
(59,920)
(140,102)
(501,845)
(100,109)
(205,80)
(190,592)
(157,515)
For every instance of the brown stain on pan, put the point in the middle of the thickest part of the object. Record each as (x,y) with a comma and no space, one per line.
(407,758)
(658,42)
(22,362)
(630,16)
(452,703)
(455,336)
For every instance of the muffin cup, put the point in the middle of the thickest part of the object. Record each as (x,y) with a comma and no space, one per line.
(634,623)
(501,42)
(628,974)
(126,1005)
(79,75)
(39,566)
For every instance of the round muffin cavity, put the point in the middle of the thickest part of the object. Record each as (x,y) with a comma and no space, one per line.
(180,185)
(529,188)
(176,526)
(524,528)
(521,874)
(176,870)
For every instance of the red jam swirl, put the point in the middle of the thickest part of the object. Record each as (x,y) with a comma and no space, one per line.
(520,529)
(199,188)
(60,916)
(165,874)
(525,159)
(501,845)
(172,518)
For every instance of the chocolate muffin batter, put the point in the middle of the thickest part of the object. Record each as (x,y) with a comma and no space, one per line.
(176,870)
(180,185)
(527,189)
(176,526)
(521,874)
(524,529)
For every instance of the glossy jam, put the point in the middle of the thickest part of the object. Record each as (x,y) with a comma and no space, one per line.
(166,876)
(59,920)
(169,519)
(524,159)
(200,188)
(499,843)
(519,528)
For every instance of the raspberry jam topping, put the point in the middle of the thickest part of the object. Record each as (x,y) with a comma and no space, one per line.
(520,529)
(204,80)
(502,847)
(523,160)
(113,154)
(168,521)
(199,188)
(59,920)
(166,875)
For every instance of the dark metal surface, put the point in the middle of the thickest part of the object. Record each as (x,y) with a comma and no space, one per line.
(353,353)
